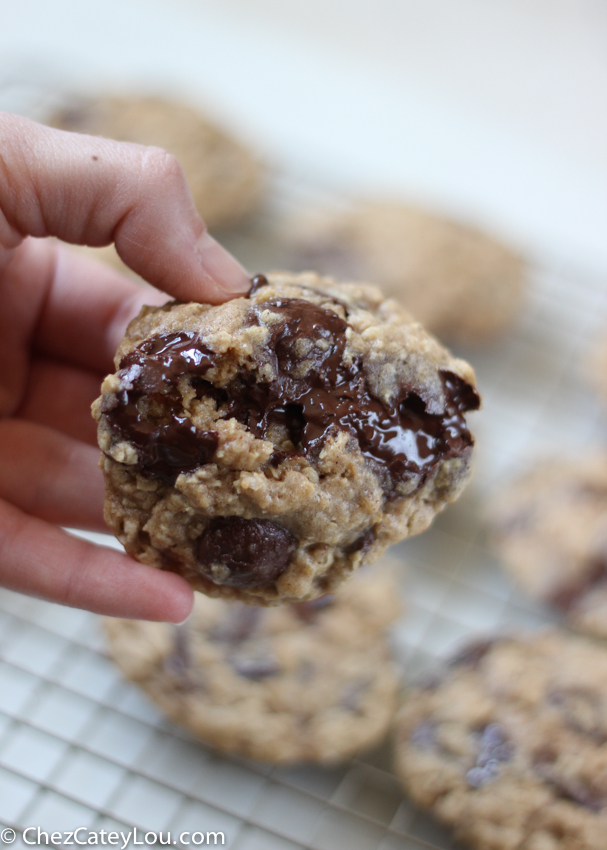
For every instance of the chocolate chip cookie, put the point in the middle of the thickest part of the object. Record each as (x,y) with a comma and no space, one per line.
(305,682)
(265,448)
(461,283)
(550,530)
(509,745)
(224,177)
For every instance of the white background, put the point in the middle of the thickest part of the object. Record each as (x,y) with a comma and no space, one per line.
(493,110)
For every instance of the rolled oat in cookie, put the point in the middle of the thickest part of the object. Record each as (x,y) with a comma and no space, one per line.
(265,448)
(549,527)
(306,682)
(508,744)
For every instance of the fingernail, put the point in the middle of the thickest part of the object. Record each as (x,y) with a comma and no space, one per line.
(220,266)
(183,622)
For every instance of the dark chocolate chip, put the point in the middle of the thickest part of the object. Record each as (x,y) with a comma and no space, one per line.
(424,735)
(472,654)
(257,282)
(179,664)
(309,611)
(568,596)
(571,787)
(494,749)
(352,694)
(362,543)
(244,552)
(581,709)
(254,663)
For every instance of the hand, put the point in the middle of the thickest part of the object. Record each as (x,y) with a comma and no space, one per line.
(61,319)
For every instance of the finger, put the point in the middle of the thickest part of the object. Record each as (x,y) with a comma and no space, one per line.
(51,476)
(41,560)
(60,396)
(65,306)
(93,191)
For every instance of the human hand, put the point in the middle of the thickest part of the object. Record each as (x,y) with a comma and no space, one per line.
(61,319)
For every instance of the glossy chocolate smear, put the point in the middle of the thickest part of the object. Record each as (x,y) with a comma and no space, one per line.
(244,552)
(316,394)
(148,412)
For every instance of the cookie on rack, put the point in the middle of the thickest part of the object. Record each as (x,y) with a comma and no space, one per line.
(509,744)
(224,177)
(307,682)
(265,448)
(460,282)
(549,528)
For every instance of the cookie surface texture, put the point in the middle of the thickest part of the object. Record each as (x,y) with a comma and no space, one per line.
(459,282)
(265,448)
(287,684)
(550,531)
(224,177)
(509,745)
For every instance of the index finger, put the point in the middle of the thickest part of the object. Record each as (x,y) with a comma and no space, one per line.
(92,191)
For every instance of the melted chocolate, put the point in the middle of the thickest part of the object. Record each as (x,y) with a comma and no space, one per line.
(148,412)
(315,394)
(244,552)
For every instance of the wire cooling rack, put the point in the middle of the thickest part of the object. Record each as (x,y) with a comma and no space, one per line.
(82,747)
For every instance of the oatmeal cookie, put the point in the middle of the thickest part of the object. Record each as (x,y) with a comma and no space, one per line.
(266,447)
(461,283)
(224,177)
(509,745)
(294,683)
(549,528)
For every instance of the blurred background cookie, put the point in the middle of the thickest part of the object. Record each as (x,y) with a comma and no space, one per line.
(549,529)
(290,684)
(507,744)
(224,177)
(460,282)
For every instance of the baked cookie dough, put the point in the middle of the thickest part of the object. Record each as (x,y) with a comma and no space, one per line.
(224,177)
(509,745)
(549,528)
(459,282)
(287,684)
(266,447)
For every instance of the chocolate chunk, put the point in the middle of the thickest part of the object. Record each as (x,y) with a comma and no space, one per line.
(244,552)
(148,412)
(315,394)
(254,663)
(309,611)
(257,283)
(494,750)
